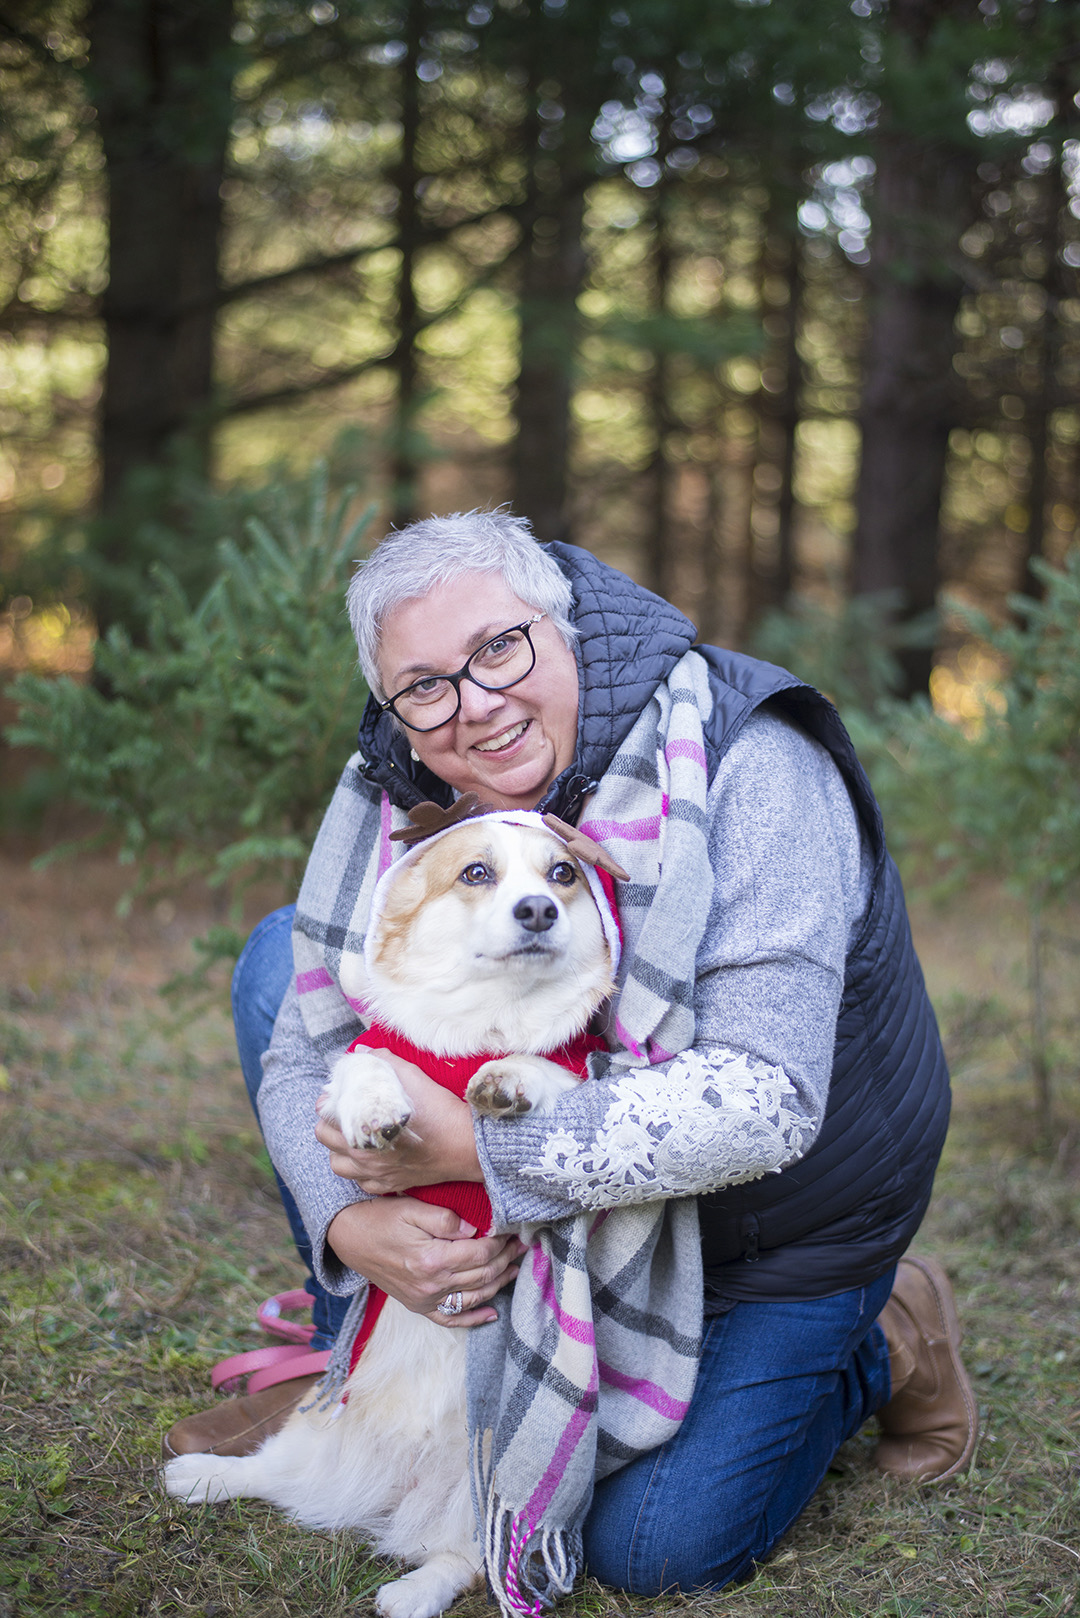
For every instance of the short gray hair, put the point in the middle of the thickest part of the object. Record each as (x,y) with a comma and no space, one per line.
(412,561)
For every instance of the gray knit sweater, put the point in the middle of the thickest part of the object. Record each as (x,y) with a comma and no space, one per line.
(792,875)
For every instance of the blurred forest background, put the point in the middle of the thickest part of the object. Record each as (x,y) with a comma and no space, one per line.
(758,299)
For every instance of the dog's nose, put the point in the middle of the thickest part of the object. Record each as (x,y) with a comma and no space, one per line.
(536,913)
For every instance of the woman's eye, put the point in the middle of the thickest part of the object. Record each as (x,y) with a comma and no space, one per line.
(498,650)
(472,874)
(563,873)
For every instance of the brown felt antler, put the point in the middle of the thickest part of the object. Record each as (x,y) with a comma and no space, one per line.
(428,818)
(583,848)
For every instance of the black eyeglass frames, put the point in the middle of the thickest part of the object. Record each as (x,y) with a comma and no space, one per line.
(500,662)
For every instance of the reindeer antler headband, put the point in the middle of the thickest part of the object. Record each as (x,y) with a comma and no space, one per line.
(429,818)
(583,848)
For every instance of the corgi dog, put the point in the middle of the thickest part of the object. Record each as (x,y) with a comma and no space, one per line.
(493,938)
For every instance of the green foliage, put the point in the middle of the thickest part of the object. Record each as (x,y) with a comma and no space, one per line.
(848,652)
(706,341)
(214,748)
(168,516)
(1003,797)
(999,798)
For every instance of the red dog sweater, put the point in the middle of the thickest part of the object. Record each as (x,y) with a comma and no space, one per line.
(468,1199)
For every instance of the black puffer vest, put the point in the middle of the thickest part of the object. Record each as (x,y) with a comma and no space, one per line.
(847,1210)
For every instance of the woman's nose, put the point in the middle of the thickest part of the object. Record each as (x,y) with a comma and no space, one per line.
(478,704)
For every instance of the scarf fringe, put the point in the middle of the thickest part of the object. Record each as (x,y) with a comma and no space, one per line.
(527,1569)
(329,1388)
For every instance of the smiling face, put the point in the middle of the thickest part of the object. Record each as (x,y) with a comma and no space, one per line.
(508,746)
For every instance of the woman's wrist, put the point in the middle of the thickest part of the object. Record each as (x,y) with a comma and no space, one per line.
(345,1235)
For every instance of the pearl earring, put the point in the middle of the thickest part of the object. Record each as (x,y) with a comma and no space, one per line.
(414,755)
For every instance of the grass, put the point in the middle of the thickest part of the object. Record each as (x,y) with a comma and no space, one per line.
(139,1229)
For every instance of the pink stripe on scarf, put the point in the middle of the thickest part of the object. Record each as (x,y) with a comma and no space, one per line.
(385,850)
(649,1393)
(579,1331)
(685,749)
(628,1040)
(318,978)
(631,831)
(568,1443)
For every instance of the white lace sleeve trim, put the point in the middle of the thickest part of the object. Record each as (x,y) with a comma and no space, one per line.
(704,1120)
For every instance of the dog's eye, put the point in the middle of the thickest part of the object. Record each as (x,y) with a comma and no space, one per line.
(473,874)
(563,873)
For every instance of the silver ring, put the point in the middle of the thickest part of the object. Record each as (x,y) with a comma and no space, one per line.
(451,1304)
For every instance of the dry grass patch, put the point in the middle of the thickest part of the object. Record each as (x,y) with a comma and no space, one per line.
(140,1229)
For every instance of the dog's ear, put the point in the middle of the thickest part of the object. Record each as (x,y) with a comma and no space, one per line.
(428,818)
(583,848)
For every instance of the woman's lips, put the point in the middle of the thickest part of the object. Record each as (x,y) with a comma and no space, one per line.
(505,739)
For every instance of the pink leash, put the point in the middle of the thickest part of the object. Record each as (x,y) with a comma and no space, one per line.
(285,1361)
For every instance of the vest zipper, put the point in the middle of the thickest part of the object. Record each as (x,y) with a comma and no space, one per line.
(751,1230)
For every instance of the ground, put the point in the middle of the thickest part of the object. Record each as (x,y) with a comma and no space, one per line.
(140,1229)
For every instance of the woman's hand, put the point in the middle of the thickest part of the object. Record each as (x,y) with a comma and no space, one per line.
(420,1254)
(438,1143)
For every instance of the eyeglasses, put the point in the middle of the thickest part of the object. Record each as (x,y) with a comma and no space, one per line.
(436,698)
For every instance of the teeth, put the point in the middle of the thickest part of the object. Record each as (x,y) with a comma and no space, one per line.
(504,740)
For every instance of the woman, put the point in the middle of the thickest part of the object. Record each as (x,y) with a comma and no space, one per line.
(769,993)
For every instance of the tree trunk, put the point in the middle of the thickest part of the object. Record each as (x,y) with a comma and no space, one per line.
(788,418)
(778,408)
(405,459)
(922,203)
(160,76)
(1056,286)
(552,275)
(712,558)
(659,569)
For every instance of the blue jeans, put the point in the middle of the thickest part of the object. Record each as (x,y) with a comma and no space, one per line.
(780,1387)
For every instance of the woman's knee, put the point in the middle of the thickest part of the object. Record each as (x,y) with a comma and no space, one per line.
(267,953)
(651,1529)
(260,978)
(658,1567)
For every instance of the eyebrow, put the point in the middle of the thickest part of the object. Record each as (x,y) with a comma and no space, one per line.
(412,670)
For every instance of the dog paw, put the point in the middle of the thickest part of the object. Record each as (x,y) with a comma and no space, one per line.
(377,1131)
(427,1590)
(401,1600)
(509,1086)
(199,1479)
(365,1099)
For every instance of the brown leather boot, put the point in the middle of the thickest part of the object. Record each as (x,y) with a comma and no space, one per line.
(930,1424)
(237,1426)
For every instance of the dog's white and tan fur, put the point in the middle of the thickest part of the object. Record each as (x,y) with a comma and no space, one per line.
(488,939)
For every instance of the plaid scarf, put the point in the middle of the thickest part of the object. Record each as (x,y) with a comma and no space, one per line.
(594,1356)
